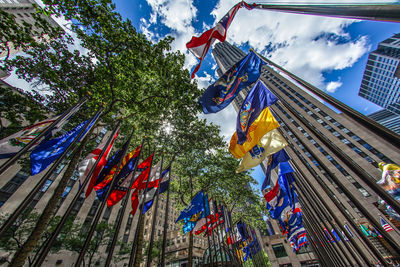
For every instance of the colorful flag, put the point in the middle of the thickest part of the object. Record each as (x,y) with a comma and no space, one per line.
(194,208)
(163,187)
(328,236)
(269,144)
(47,152)
(127,165)
(377,233)
(199,46)
(264,123)
(385,225)
(255,102)
(274,160)
(9,146)
(242,228)
(365,230)
(220,94)
(87,164)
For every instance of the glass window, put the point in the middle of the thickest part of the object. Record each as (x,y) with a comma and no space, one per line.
(279,250)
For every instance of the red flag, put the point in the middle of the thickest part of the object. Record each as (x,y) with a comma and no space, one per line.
(138,184)
(199,46)
(229,240)
(95,153)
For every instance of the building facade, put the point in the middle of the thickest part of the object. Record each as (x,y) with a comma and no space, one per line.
(381,80)
(388,119)
(333,153)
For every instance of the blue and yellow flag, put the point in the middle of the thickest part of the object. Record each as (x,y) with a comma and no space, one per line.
(264,123)
(255,102)
(220,94)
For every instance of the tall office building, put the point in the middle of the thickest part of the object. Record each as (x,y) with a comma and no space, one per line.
(332,153)
(381,81)
(388,119)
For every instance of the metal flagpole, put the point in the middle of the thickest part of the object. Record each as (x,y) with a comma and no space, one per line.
(379,12)
(49,128)
(388,135)
(40,184)
(211,232)
(357,169)
(216,228)
(102,205)
(307,203)
(323,257)
(41,257)
(164,243)
(155,209)
(303,186)
(235,244)
(134,250)
(122,209)
(208,237)
(375,252)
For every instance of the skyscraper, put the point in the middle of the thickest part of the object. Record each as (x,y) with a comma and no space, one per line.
(388,119)
(333,156)
(381,81)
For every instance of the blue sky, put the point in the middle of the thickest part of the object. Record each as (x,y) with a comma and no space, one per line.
(331,53)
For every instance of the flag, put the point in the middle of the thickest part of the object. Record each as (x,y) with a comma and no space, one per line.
(348,230)
(385,225)
(194,208)
(335,234)
(377,233)
(269,144)
(163,187)
(199,46)
(191,222)
(47,152)
(328,236)
(274,160)
(242,228)
(255,102)
(264,123)
(86,165)
(220,94)
(365,230)
(9,146)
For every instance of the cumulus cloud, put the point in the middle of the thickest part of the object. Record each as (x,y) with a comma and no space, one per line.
(331,87)
(226,119)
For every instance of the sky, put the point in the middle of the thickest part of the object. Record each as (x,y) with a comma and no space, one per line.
(330,53)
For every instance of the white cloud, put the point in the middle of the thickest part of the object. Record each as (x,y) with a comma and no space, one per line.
(331,87)
(205,81)
(226,119)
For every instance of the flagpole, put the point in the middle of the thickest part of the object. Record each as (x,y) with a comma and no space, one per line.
(102,205)
(164,243)
(41,257)
(216,227)
(389,136)
(134,251)
(122,209)
(337,247)
(382,12)
(28,199)
(208,237)
(375,252)
(221,241)
(155,209)
(300,182)
(210,232)
(26,148)
(235,245)
(323,257)
(356,168)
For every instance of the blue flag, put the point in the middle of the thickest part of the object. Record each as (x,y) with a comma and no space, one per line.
(275,159)
(194,209)
(47,152)
(220,94)
(256,101)
(163,187)
(242,228)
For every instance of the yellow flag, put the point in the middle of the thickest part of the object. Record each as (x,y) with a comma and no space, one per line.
(264,123)
(269,144)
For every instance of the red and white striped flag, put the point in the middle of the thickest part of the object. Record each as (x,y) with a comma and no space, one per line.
(385,225)
(199,46)
(86,165)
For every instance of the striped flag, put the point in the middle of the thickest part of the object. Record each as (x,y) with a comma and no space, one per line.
(199,46)
(385,225)
(348,230)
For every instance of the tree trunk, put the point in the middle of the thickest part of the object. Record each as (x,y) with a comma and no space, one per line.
(138,256)
(41,225)
(190,256)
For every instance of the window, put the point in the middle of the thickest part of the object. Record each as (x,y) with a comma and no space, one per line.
(279,250)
